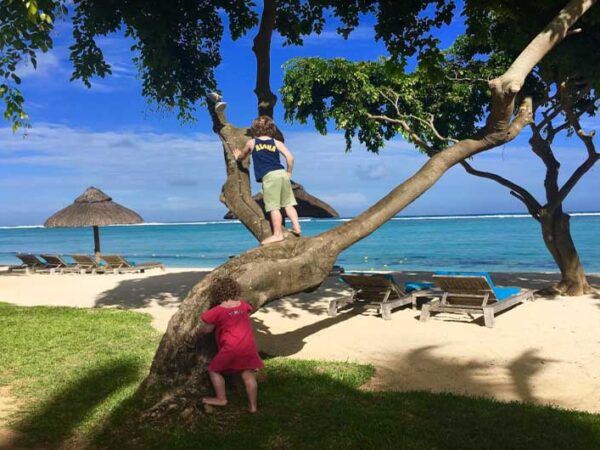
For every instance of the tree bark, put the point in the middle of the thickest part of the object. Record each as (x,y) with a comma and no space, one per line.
(262,52)
(178,371)
(557,237)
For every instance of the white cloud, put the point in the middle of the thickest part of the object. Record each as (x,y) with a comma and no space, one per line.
(347,200)
(178,176)
(47,64)
(160,175)
(124,158)
(371,171)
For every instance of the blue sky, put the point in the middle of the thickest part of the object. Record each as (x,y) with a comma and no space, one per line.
(110,137)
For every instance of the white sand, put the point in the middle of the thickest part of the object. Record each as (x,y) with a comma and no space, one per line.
(547,351)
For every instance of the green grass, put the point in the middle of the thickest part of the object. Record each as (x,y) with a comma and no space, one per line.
(76,372)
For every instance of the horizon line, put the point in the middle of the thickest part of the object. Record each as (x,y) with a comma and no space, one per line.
(498,215)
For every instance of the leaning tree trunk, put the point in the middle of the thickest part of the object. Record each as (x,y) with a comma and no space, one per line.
(178,370)
(556,231)
(294,265)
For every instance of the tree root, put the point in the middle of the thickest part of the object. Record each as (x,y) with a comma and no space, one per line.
(566,289)
(573,288)
(181,405)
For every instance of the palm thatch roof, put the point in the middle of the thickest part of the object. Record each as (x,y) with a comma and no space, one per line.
(308,205)
(93,208)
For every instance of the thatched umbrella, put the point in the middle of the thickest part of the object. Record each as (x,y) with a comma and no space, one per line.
(93,208)
(308,205)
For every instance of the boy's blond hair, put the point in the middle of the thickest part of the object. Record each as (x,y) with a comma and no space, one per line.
(263,126)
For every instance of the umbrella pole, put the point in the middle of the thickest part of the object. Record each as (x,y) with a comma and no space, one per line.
(97,243)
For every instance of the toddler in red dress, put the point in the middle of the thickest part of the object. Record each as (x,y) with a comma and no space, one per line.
(235,341)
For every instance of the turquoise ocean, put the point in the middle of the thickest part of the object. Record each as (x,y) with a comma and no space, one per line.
(492,242)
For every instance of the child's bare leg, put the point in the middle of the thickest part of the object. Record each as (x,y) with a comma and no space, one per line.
(277,222)
(251,388)
(293,215)
(218,383)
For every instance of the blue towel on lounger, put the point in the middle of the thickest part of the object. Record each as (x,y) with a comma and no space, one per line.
(501,293)
(411,286)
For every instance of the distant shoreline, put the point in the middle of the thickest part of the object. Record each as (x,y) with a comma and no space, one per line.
(507,215)
(410,273)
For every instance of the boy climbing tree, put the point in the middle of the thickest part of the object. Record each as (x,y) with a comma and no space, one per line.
(268,170)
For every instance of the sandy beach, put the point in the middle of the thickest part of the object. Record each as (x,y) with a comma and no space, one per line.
(545,352)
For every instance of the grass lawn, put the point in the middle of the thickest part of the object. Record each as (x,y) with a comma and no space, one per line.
(76,371)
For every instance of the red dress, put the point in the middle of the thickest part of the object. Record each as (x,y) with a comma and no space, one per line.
(235,341)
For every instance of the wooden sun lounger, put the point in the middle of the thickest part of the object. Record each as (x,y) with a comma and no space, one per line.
(57,262)
(376,289)
(83,264)
(472,294)
(31,264)
(118,264)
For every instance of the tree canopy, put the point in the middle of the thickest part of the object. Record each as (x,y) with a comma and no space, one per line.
(177,43)
(446,97)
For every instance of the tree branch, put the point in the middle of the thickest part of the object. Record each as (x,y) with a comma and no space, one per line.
(404,125)
(458,79)
(573,180)
(541,147)
(393,98)
(549,117)
(545,41)
(573,118)
(236,193)
(567,104)
(533,206)
(262,51)
(431,125)
(505,87)
(364,224)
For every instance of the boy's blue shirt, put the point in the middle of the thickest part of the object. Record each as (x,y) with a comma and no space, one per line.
(265,158)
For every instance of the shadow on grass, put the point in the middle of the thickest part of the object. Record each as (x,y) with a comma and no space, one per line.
(56,420)
(167,290)
(311,404)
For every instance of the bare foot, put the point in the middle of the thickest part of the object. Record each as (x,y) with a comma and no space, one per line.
(252,410)
(214,401)
(272,239)
(296,231)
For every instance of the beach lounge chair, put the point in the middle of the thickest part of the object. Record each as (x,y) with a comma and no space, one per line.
(373,289)
(56,261)
(31,264)
(84,264)
(118,264)
(473,293)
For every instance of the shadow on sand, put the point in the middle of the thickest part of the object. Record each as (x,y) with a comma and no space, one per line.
(291,342)
(167,290)
(423,368)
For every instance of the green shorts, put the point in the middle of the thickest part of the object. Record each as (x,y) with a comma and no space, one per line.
(277,190)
